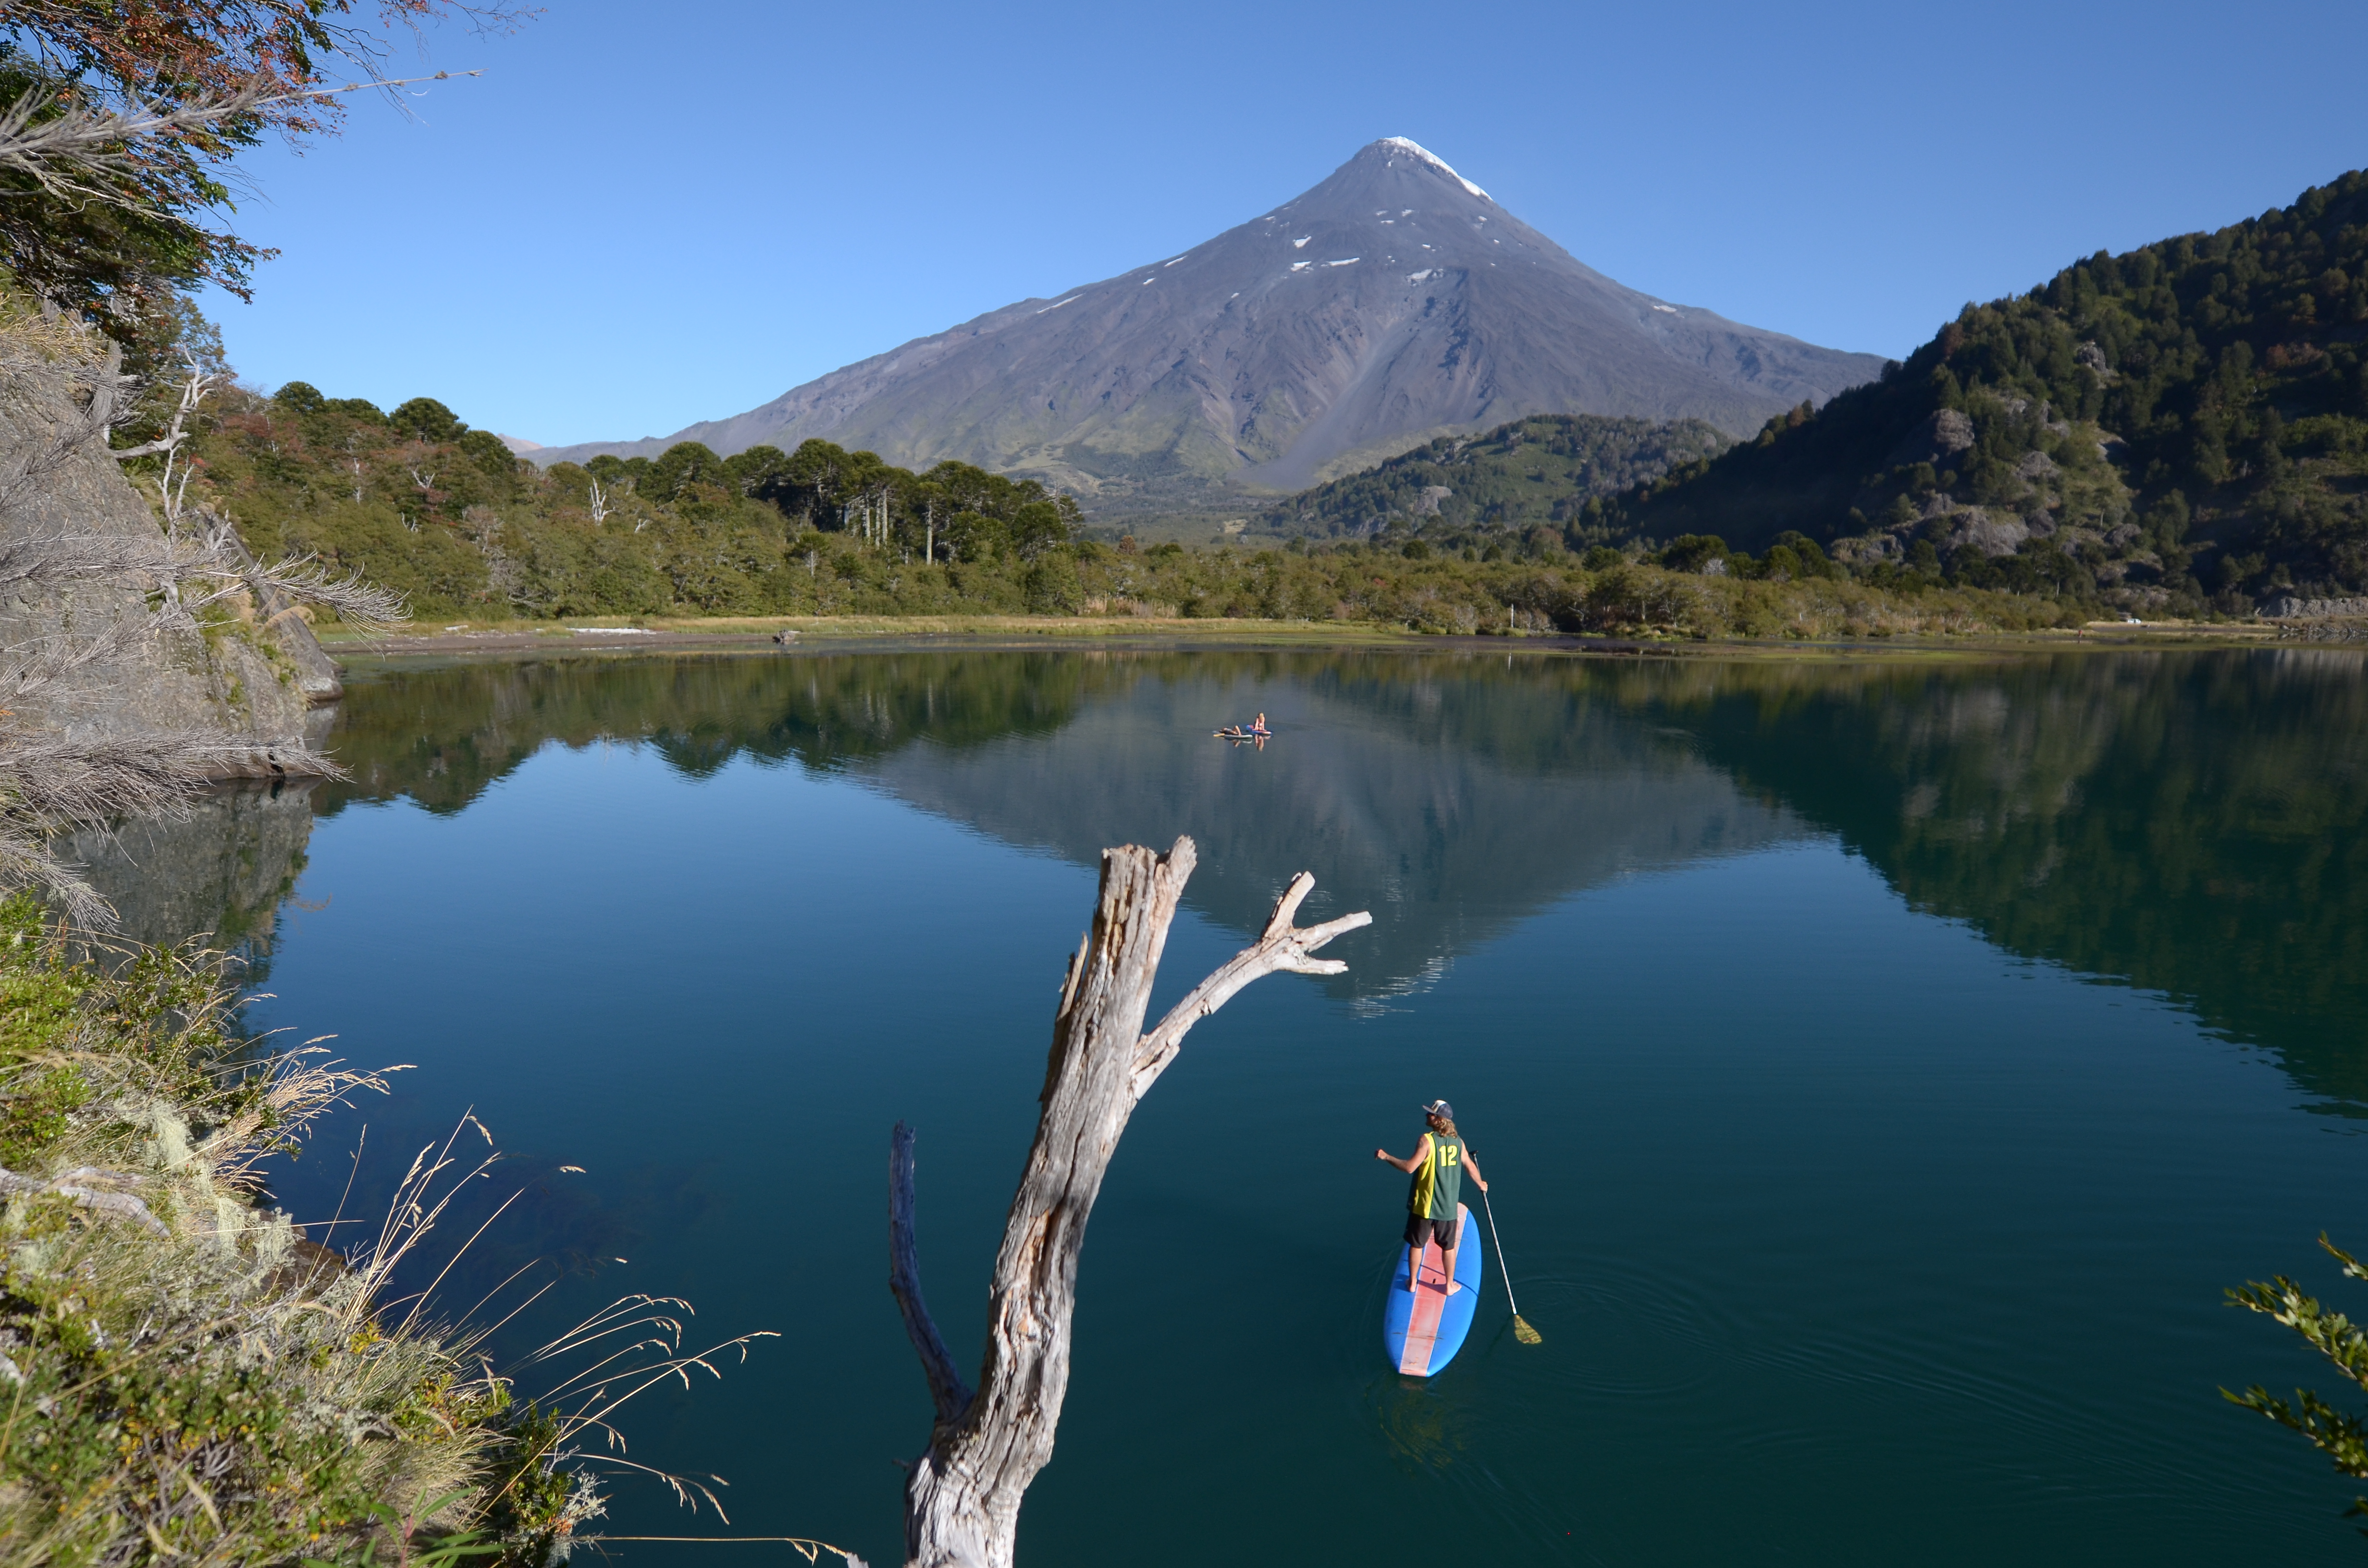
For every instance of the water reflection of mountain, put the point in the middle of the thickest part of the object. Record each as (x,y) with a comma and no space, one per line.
(1451,796)
(2196,825)
(1446,798)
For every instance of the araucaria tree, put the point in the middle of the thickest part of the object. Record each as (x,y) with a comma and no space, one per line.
(962,1506)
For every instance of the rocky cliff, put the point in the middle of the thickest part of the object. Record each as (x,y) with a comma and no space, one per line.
(255,672)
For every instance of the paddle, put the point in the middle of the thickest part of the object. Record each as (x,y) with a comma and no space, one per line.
(1521,1329)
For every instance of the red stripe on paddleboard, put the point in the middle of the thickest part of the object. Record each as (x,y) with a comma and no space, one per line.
(1429,1301)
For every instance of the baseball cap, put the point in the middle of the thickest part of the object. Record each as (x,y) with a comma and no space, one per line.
(1439,1108)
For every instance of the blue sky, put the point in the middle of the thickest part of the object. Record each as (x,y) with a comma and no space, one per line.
(641,216)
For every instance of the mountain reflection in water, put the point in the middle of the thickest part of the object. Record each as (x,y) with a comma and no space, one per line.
(2188,824)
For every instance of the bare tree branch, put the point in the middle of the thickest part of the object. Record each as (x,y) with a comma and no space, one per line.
(1280,947)
(951,1394)
(76,154)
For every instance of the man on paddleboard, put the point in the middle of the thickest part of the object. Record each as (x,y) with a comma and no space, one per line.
(1437,1165)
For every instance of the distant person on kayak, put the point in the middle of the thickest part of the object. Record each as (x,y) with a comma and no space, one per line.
(1259,727)
(1437,1165)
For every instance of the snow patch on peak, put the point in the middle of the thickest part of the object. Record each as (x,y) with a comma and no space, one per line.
(1301,243)
(1417,150)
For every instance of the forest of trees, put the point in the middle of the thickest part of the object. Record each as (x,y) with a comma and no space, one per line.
(1534,473)
(2182,428)
(448,516)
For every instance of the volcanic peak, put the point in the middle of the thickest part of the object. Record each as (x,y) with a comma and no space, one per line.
(1416,149)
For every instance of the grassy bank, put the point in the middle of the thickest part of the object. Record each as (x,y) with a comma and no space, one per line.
(184,1377)
(674,633)
(1357,595)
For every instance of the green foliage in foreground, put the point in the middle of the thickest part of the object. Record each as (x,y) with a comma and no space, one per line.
(2341,1437)
(196,1384)
(2182,425)
(1535,473)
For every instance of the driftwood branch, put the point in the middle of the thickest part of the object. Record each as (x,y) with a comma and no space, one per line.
(962,1506)
(951,1394)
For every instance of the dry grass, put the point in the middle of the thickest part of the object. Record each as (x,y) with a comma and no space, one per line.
(185,1379)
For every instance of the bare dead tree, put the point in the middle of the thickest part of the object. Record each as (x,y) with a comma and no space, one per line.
(962,1506)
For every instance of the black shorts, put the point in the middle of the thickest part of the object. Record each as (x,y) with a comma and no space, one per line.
(1420,1230)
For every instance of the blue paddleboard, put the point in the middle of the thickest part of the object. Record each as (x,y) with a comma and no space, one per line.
(1423,1328)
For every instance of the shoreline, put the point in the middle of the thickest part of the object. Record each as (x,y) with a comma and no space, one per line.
(863,634)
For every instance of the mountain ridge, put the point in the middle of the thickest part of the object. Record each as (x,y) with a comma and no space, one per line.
(1391,302)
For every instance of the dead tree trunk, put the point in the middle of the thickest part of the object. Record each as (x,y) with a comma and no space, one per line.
(962,1506)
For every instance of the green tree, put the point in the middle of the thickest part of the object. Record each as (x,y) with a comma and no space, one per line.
(682,465)
(1691,552)
(2341,1435)
(425,419)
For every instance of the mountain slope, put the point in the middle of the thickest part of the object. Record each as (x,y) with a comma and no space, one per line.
(2183,424)
(1393,300)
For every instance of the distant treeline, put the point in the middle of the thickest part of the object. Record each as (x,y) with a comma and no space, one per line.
(447,515)
(420,502)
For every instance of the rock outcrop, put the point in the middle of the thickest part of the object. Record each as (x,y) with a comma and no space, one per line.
(2292,607)
(254,673)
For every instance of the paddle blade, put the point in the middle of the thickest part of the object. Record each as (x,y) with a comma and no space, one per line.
(1524,1333)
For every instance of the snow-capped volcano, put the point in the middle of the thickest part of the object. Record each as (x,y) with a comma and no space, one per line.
(1413,149)
(1394,300)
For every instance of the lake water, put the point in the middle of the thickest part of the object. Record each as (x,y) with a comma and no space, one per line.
(1884,1065)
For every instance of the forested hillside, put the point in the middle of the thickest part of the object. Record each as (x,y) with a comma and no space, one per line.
(2181,427)
(1531,472)
(447,516)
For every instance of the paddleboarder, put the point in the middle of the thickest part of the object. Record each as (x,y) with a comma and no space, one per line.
(1437,1165)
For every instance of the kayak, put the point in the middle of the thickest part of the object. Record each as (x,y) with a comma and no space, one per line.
(1423,1329)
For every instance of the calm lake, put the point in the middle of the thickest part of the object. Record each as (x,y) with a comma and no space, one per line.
(1883,1064)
